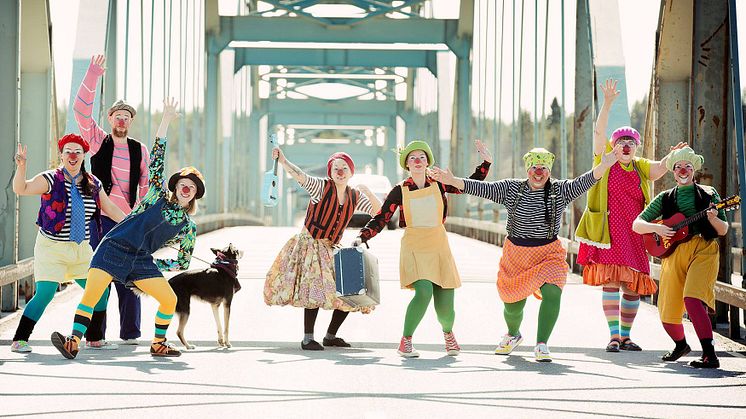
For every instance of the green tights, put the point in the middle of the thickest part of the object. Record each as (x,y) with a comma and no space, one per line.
(548,312)
(425,290)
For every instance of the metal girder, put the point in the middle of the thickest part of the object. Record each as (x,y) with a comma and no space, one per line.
(378,31)
(584,99)
(372,9)
(461,129)
(306,118)
(36,108)
(335,58)
(710,115)
(341,107)
(10,22)
(672,77)
(212,130)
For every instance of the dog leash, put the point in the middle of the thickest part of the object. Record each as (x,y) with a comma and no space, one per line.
(193,257)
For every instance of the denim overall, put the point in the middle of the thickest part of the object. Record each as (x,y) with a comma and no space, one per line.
(126,252)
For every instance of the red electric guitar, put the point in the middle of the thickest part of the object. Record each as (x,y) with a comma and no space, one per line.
(661,247)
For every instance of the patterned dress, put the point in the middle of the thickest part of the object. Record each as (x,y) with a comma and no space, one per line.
(625,260)
(302,274)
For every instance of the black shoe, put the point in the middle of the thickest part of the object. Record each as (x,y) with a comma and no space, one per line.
(338,342)
(677,353)
(67,345)
(311,346)
(706,361)
(628,345)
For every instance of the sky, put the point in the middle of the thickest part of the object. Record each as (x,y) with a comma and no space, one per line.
(637,44)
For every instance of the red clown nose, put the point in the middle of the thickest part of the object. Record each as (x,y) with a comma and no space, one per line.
(626,149)
(185,189)
(539,171)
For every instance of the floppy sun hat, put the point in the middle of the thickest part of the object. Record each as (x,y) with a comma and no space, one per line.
(192,173)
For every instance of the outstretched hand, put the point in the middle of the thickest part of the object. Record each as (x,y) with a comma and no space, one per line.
(20,156)
(169,109)
(97,65)
(278,155)
(609,90)
(443,176)
(608,159)
(483,151)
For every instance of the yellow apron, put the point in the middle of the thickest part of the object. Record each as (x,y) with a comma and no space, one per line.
(425,253)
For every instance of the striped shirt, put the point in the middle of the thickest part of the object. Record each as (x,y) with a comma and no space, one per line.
(90,209)
(120,164)
(528,220)
(315,187)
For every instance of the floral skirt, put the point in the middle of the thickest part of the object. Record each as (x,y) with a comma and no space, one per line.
(302,275)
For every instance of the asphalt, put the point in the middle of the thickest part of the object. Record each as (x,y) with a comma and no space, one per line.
(265,374)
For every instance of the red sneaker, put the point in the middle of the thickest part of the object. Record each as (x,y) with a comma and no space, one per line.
(406,349)
(452,347)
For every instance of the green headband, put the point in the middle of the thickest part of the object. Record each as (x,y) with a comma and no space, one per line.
(685,154)
(412,146)
(538,156)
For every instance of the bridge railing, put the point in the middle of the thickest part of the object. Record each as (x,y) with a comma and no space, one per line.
(12,275)
(496,232)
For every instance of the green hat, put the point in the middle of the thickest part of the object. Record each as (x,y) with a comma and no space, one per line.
(686,154)
(412,146)
(540,156)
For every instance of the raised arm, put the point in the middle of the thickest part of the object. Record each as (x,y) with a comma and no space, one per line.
(293,170)
(83,105)
(599,132)
(368,202)
(157,155)
(111,209)
(658,168)
(36,186)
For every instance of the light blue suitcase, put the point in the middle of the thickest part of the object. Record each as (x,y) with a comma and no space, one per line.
(356,274)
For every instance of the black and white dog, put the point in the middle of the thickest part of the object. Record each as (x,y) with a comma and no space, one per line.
(214,285)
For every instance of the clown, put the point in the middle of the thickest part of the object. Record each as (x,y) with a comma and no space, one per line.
(533,260)
(425,263)
(125,254)
(688,274)
(611,254)
(121,163)
(302,274)
(70,199)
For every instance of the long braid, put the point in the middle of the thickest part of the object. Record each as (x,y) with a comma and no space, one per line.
(86,183)
(547,216)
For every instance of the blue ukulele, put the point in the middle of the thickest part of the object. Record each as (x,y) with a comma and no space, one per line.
(269,186)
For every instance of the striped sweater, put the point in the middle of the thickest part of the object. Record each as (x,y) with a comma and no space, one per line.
(528,219)
(92,132)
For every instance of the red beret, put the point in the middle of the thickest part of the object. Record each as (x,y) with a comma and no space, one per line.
(73,138)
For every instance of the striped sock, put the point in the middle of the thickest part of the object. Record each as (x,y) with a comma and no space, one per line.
(630,304)
(82,319)
(610,301)
(161,325)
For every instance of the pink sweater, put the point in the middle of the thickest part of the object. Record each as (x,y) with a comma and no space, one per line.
(91,132)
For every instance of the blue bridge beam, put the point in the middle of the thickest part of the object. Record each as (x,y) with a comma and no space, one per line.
(336,58)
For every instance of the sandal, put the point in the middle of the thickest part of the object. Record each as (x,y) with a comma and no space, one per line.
(613,346)
(628,345)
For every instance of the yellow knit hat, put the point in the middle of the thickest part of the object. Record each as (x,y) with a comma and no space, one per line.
(540,156)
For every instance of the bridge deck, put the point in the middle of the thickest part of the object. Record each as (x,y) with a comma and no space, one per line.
(265,374)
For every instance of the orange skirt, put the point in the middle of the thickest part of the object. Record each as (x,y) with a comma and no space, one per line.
(523,270)
(602,274)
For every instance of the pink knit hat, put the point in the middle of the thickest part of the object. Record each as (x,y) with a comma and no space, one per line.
(625,132)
